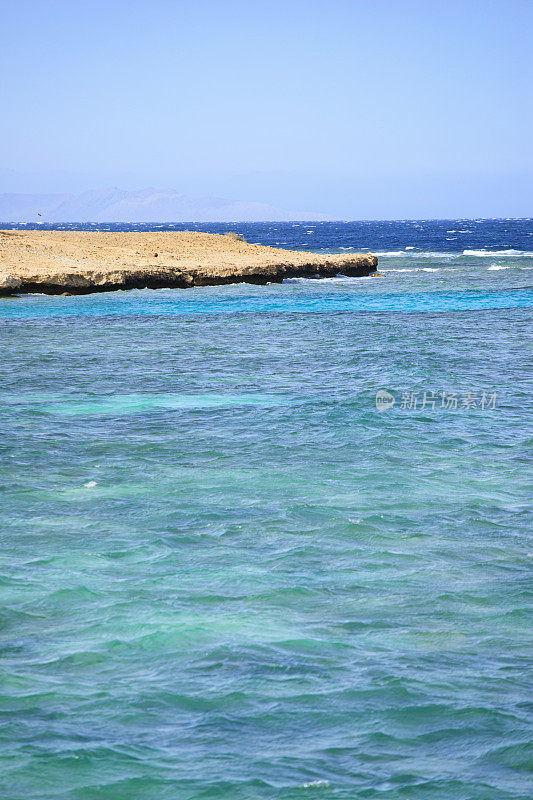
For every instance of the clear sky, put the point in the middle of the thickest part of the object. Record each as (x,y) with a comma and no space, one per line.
(360,109)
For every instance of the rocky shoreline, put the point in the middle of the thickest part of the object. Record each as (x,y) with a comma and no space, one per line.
(80,262)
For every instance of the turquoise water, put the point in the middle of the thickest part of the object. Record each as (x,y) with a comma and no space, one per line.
(226,575)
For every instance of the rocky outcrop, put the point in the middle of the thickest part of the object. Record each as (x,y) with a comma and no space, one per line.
(67,262)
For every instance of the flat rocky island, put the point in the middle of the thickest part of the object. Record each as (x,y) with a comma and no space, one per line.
(80,262)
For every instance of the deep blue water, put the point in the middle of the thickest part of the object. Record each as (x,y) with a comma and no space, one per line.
(226,574)
(422,235)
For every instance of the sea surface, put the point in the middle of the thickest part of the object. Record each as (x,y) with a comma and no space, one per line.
(227,575)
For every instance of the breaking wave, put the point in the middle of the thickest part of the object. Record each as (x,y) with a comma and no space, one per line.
(492,253)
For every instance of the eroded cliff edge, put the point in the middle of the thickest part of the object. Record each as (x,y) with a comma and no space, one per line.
(80,262)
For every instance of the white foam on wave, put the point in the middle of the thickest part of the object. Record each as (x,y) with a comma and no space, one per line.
(420,269)
(491,253)
(337,279)
(496,267)
(403,254)
(315,784)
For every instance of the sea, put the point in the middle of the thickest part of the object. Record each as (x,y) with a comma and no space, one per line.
(273,542)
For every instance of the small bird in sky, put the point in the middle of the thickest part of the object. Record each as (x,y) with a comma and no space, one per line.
(39,215)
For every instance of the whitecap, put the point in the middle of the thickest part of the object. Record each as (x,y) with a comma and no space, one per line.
(315,784)
(337,279)
(420,269)
(496,267)
(491,253)
(403,254)
(90,484)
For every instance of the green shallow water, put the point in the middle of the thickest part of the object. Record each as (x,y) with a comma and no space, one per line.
(226,575)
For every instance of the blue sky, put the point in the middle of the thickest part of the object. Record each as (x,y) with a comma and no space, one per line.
(377,109)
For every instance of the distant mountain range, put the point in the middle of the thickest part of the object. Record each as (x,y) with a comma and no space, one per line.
(147,205)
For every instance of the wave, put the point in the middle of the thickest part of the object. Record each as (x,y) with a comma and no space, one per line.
(420,269)
(481,253)
(315,784)
(492,253)
(340,278)
(410,254)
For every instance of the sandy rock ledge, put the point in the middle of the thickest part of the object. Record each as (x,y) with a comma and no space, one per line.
(79,262)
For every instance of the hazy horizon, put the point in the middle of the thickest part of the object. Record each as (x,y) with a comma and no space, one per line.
(346,109)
